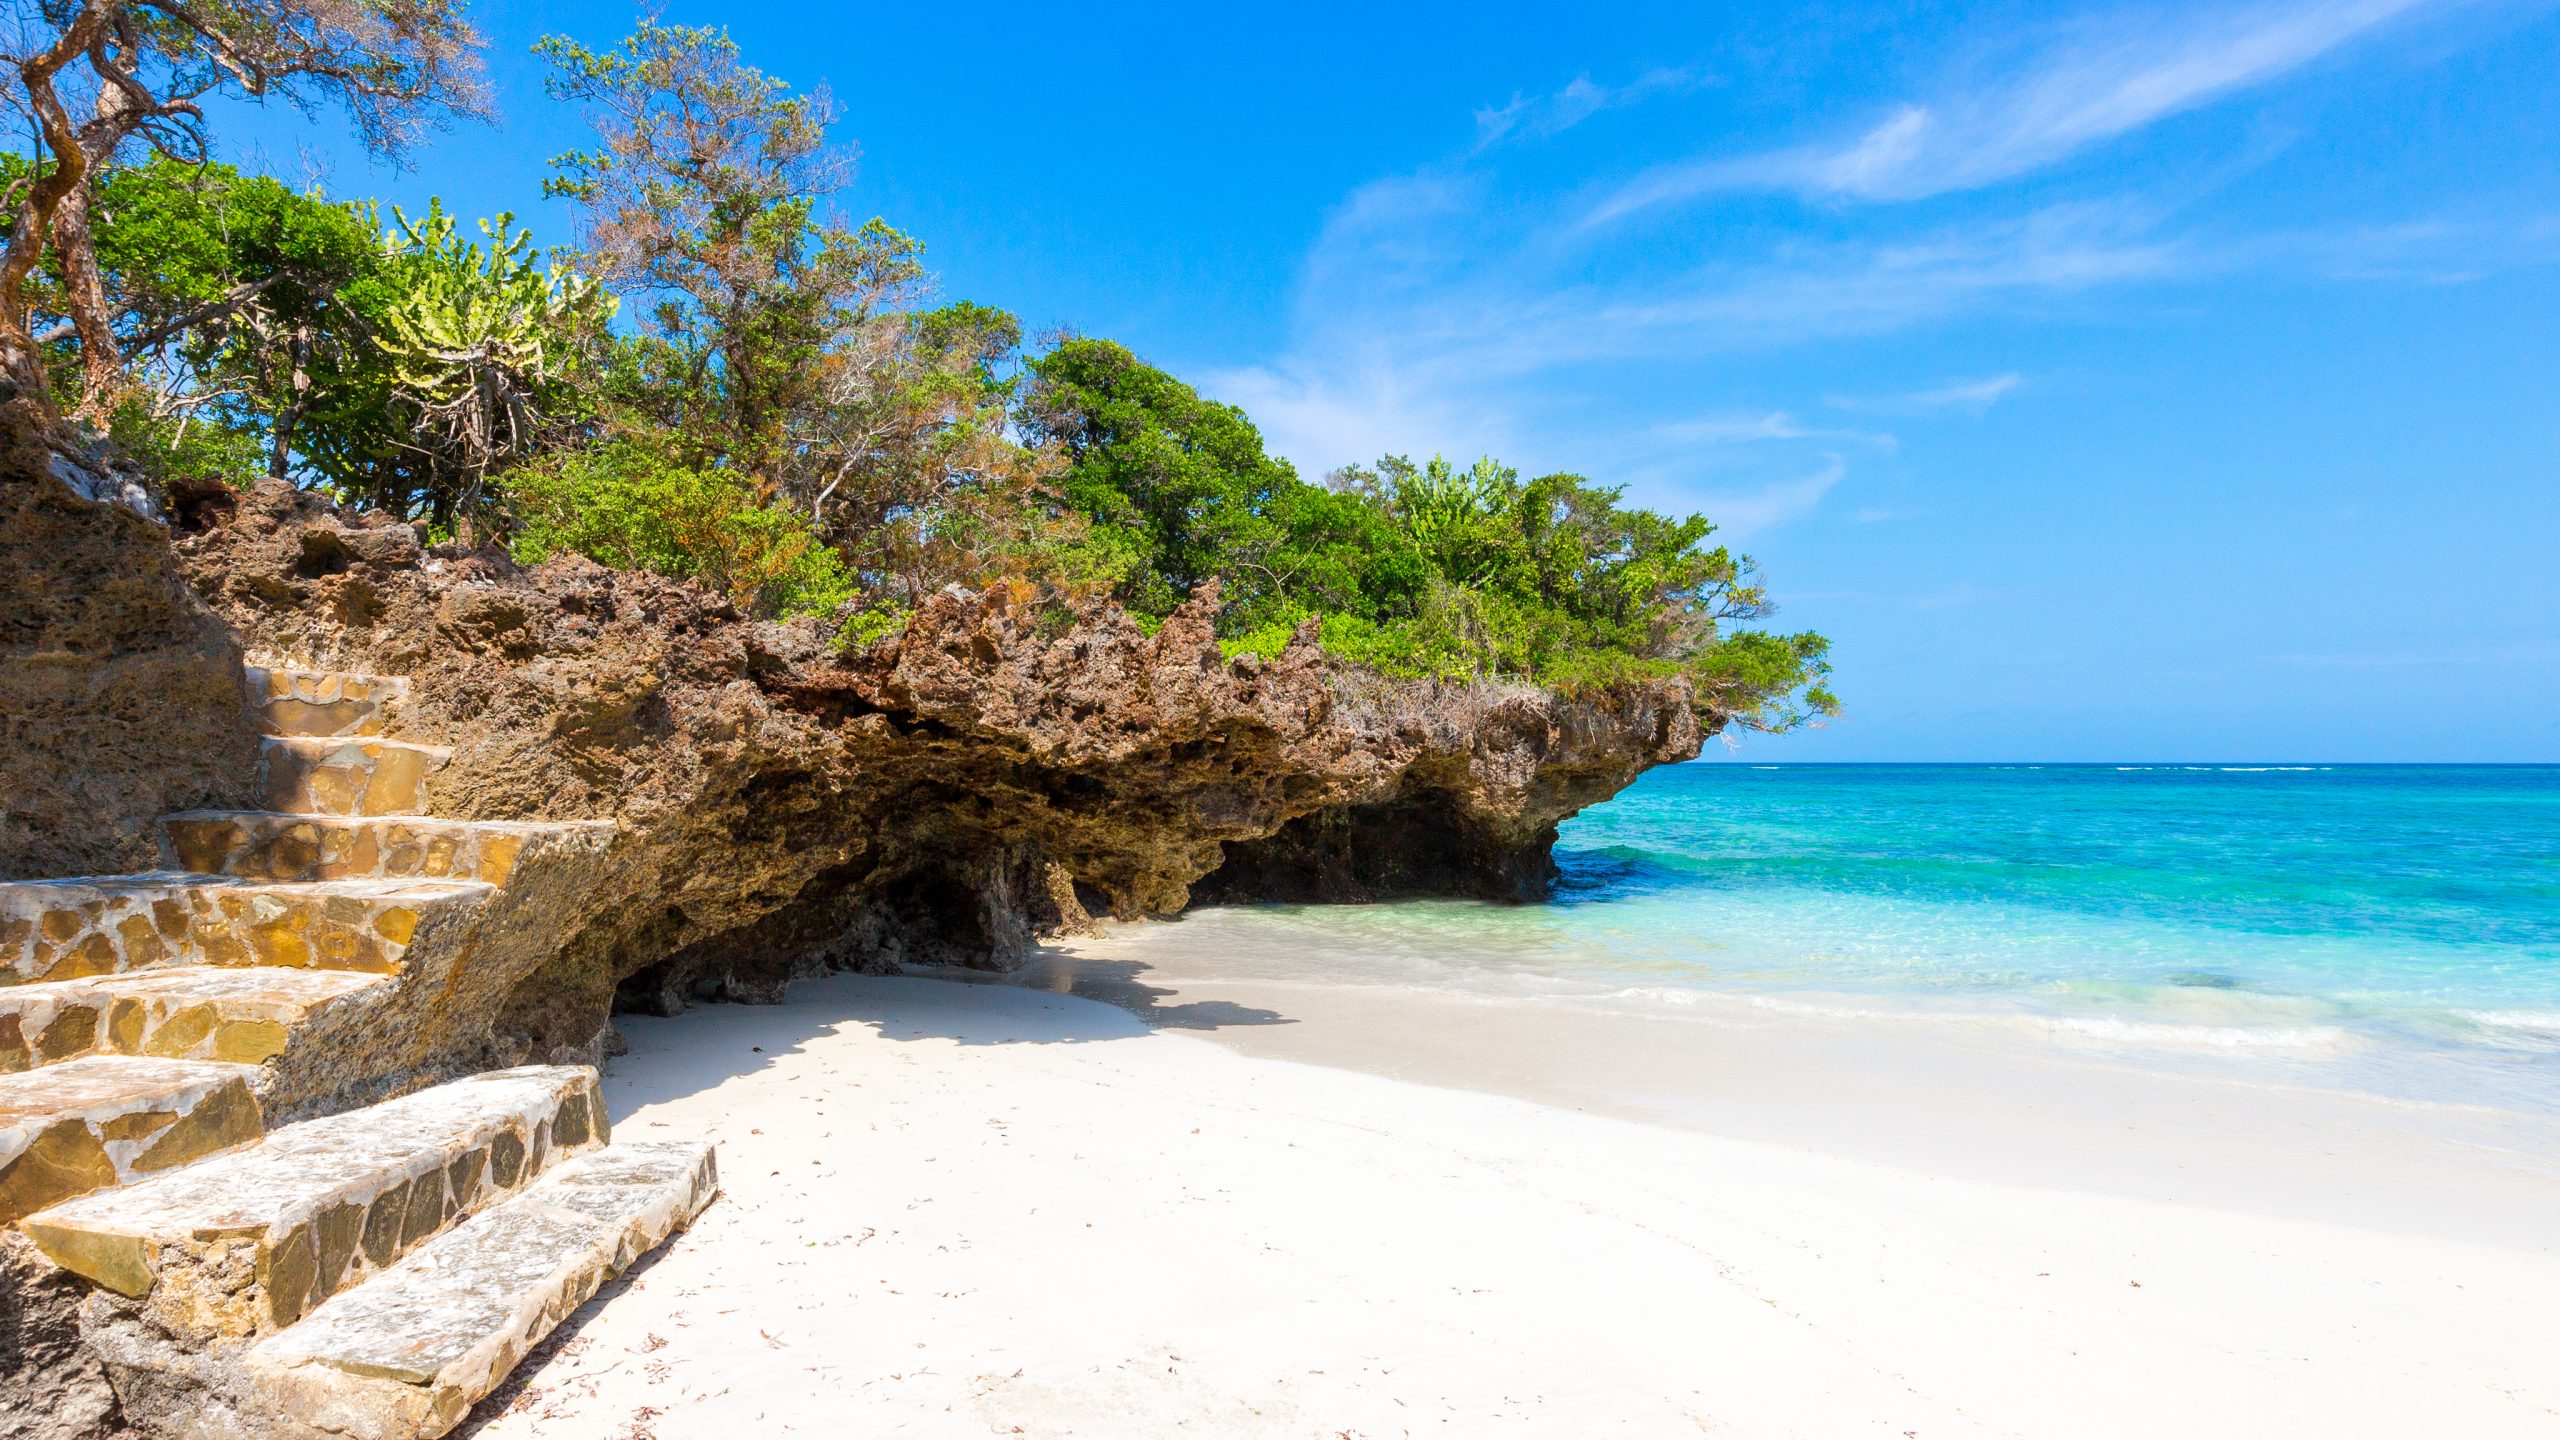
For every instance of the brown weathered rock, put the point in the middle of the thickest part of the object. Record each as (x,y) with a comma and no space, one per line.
(991,775)
(120,695)
(56,1390)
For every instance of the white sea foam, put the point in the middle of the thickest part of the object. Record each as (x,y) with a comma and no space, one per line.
(2220,1037)
(1844,1012)
(2096,1027)
(1657,995)
(2540,1022)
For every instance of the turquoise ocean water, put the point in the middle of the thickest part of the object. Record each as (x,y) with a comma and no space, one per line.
(2391,929)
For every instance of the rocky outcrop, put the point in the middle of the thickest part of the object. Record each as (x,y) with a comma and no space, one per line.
(56,1389)
(1003,769)
(120,694)
(1475,812)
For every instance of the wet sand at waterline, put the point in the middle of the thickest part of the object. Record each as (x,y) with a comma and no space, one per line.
(964,1210)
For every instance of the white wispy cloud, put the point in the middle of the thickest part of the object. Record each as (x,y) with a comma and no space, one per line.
(1733,429)
(1406,343)
(1852,287)
(2098,80)
(1464,309)
(1763,427)
(1528,117)
(1967,396)
(1325,408)
(1742,514)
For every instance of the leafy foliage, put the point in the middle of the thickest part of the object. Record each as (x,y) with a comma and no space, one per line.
(101,77)
(702,201)
(631,509)
(480,345)
(223,290)
(1425,570)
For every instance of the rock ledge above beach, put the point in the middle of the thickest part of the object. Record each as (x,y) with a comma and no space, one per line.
(1000,771)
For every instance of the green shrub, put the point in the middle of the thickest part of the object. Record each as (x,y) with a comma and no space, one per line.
(1415,570)
(627,508)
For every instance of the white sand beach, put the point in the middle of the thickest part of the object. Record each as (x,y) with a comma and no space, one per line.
(968,1210)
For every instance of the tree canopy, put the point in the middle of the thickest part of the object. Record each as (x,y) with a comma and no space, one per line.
(101,78)
(1418,569)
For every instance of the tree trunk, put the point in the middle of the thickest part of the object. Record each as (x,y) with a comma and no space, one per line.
(21,363)
(288,416)
(101,354)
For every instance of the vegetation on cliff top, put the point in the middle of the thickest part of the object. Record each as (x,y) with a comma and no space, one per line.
(721,379)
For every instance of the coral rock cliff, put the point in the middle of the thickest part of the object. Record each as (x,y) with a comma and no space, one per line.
(997,772)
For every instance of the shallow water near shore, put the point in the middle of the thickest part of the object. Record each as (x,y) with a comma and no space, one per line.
(2392,930)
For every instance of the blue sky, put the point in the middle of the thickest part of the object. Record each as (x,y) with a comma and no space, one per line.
(2128,382)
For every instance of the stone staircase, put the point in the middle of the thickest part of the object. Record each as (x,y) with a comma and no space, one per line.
(366,1273)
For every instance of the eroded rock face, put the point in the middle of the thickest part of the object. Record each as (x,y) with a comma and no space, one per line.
(56,1389)
(120,695)
(1000,771)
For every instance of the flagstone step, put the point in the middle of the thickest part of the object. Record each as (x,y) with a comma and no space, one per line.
(245,1244)
(242,1014)
(56,930)
(266,845)
(104,1120)
(324,702)
(361,775)
(408,1353)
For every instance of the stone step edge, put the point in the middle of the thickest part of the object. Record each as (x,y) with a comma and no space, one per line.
(94,927)
(333,703)
(250,1241)
(132,1012)
(378,848)
(310,1369)
(324,672)
(348,775)
(70,1124)
(368,887)
(290,817)
(437,753)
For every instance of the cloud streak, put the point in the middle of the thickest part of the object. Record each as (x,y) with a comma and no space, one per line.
(1966,396)
(1538,116)
(1462,308)
(2081,92)
(1750,429)
(1746,513)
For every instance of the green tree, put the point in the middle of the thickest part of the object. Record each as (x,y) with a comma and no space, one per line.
(269,330)
(223,304)
(482,345)
(1418,569)
(926,486)
(702,202)
(632,508)
(100,76)
(1184,483)
(780,344)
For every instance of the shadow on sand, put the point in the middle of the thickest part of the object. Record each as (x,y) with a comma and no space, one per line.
(1056,1000)
(1115,983)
